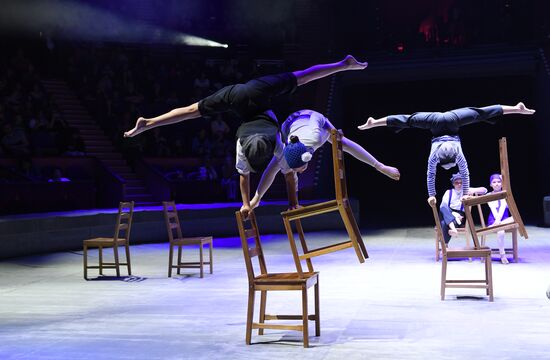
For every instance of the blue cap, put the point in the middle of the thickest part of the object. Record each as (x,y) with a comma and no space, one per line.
(293,153)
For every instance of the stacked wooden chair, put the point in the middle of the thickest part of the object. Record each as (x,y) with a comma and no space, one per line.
(121,238)
(506,194)
(340,204)
(265,281)
(484,253)
(176,239)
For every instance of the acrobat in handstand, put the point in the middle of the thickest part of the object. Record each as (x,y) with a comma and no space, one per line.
(306,131)
(446,149)
(258,135)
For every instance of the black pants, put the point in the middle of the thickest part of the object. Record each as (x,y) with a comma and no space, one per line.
(446,123)
(249,99)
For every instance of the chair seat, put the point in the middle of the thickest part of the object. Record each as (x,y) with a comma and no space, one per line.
(192,240)
(284,278)
(469,252)
(311,209)
(103,242)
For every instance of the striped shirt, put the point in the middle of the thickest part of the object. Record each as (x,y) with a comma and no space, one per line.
(460,161)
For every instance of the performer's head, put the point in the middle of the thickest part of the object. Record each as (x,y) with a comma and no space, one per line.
(456,180)
(495,181)
(447,153)
(258,150)
(297,155)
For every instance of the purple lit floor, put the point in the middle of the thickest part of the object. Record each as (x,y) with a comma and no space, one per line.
(386,308)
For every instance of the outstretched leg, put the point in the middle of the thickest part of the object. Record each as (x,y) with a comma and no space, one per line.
(372,123)
(320,71)
(171,117)
(519,108)
(358,152)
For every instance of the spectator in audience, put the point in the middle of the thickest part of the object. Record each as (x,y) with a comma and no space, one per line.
(75,145)
(28,170)
(15,141)
(229,178)
(58,176)
(219,128)
(201,144)
(160,144)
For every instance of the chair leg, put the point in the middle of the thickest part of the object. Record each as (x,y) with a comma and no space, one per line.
(100,260)
(443,276)
(179,259)
(490,278)
(317,310)
(117,262)
(210,248)
(201,260)
(515,245)
(85,256)
(249,314)
(347,217)
(436,247)
(263,300)
(304,317)
(128,259)
(170,259)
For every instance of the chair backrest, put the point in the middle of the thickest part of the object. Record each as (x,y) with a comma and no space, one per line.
(338,165)
(172,220)
(439,229)
(506,186)
(246,233)
(504,166)
(124,221)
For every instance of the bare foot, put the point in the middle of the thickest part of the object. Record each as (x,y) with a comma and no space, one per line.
(369,124)
(524,110)
(453,232)
(389,171)
(141,126)
(352,64)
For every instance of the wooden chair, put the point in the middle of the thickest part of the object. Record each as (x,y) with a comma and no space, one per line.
(463,232)
(484,253)
(177,239)
(120,238)
(505,194)
(340,204)
(514,231)
(265,282)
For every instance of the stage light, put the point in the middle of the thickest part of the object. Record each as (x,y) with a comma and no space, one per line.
(78,21)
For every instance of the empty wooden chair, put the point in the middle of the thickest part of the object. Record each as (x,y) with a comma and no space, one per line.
(505,194)
(484,253)
(340,204)
(120,238)
(177,240)
(266,281)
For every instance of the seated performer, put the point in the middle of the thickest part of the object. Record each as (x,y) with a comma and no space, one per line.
(258,135)
(307,131)
(499,214)
(446,149)
(451,210)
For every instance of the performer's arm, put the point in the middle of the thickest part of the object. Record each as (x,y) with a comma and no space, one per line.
(265,182)
(464,172)
(430,176)
(477,191)
(244,181)
(291,179)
